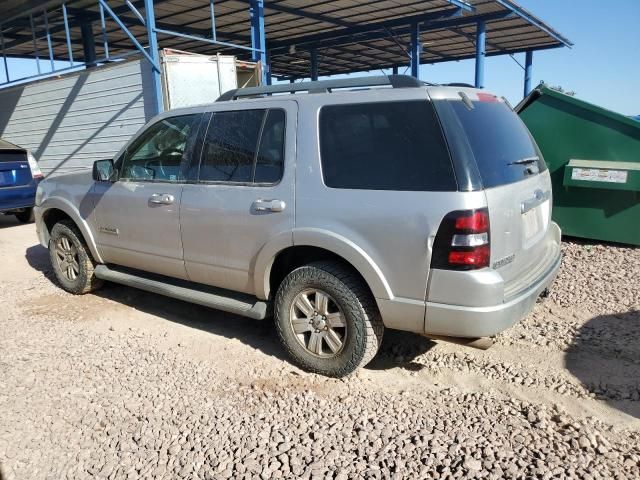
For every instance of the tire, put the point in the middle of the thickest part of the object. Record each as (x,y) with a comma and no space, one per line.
(346,293)
(71,259)
(26,216)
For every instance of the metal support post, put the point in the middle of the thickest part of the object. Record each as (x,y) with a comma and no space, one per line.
(258,39)
(481,52)
(88,44)
(528,72)
(395,70)
(415,49)
(150,22)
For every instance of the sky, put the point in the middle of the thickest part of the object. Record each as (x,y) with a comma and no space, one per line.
(603,67)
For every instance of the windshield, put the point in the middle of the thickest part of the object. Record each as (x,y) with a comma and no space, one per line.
(502,146)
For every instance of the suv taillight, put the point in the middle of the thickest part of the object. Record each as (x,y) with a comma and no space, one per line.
(33,166)
(463,241)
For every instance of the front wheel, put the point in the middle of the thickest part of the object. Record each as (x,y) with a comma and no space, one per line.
(25,216)
(327,319)
(71,260)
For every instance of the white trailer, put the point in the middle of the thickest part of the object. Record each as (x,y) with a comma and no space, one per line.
(69,121)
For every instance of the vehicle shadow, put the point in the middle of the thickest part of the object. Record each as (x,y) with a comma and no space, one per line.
(259,334)
(38,258)
(8,221)
(397,351)
(605,357)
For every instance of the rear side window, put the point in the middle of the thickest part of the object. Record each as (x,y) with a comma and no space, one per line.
(502,146)
(244,146)
(384,146)
(230,146)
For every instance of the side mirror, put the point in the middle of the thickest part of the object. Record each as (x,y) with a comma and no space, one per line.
(104,171)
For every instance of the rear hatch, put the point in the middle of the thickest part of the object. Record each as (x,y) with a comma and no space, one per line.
(14,168)
(514,176)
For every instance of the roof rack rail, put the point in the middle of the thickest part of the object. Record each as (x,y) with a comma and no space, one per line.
(324,86)
(458,84)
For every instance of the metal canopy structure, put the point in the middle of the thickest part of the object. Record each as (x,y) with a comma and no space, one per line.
(292,38)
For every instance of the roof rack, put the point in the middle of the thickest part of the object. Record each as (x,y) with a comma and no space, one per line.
(458,84)
(325,86)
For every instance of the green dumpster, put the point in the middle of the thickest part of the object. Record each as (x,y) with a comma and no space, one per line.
(593,156)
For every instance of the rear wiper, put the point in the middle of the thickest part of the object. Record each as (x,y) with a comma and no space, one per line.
(525,161)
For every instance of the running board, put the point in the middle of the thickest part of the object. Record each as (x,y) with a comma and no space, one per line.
(232,302)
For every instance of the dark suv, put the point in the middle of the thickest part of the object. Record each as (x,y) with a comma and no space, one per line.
(19,178)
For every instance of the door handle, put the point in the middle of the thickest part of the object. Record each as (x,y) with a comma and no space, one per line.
(269,205)
(162,199)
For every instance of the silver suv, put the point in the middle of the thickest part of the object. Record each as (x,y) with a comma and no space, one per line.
(358,205)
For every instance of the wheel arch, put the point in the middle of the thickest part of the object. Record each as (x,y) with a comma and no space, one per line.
(54,210)
(311,245)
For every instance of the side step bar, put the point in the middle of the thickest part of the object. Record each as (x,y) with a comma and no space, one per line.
(237,303)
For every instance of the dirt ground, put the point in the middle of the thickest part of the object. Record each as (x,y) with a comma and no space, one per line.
(126,384)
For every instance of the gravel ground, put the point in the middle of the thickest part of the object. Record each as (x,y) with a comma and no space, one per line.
(125,384)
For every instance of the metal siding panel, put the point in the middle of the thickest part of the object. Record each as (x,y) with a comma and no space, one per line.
(71,121)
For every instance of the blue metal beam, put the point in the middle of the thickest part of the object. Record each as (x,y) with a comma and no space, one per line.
(153,41)
(444,19)
(415,50)
(103,29)
(258,38)
(4,58)
(150,23)
(49,46)
(201,39)
(528,72)
(65,17)
(35,44)
(481,53)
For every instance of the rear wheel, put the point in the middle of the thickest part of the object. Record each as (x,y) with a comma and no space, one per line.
(25,216)
(71,260)
(327,319)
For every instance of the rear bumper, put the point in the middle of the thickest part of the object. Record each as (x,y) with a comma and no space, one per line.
(15,198)
(476,305)
(472,322)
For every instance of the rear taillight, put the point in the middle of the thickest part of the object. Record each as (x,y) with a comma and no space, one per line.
(462,241)
(33,165)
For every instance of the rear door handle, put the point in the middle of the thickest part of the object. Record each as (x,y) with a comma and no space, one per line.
(269,205)
(162,199)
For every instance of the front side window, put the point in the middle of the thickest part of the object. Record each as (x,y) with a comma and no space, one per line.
(159,153)
(245,146)
(384,146)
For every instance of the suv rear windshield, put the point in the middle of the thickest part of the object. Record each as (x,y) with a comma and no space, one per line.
(498,138)
(384,146)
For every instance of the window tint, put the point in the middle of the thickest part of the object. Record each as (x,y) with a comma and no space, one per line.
(230,146)
(497,138)
(384,146)
(160,151)
(270,161)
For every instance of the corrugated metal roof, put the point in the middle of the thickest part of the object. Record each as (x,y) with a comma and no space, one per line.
(349,35)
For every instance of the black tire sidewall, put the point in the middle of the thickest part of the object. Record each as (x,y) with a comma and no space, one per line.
(309,277)
(72,286)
